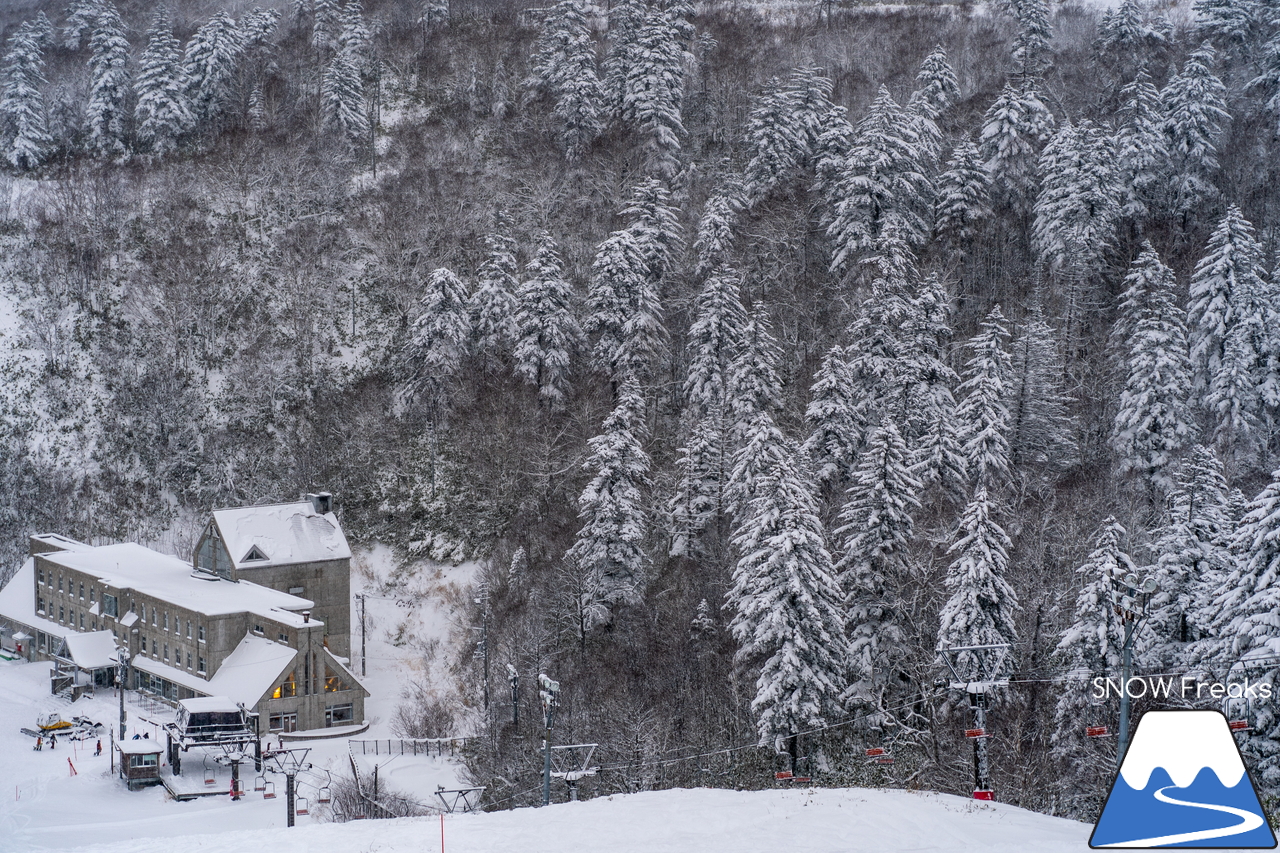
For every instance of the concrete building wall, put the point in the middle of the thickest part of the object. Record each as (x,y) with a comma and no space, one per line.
(327,583)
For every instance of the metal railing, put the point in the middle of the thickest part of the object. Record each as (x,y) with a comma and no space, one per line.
(438,746)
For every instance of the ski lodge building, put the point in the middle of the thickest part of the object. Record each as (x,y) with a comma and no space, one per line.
(261,615)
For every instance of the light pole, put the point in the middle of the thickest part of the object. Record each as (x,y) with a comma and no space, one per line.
(361,596)
(550,693)
(1129,599)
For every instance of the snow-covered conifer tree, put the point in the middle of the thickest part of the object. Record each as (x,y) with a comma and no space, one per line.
(884,184)
(653,88)
(1141,149)
(162,115)
(936,85)
(1125,29)
(1089,647)
(1247,604)
(782,130)
(1194,106)
(618,273)
(1153,422)
(108,109)
(1079,203)
(963,196)
(209,65)
(715,231)
(342,90)
(1039,423)
(785,602)
(81,18)
(876,530)
(1012,130)
(433,14)
(1031,45)
(440,334)
(24,132)
(610,546)
(1227,277)
(547,330)
(1228,22)
(625,19)
(830,418)
(1193,558)
(983,413)
(982,605)
(754,394)
(493,304)
(654,222)
(563,66)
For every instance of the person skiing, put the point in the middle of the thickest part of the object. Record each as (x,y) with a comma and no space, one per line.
(53,741)
(39,743)
(98,751)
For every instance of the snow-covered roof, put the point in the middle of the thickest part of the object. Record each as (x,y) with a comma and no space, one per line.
(141,746)
(281,534)
(210,705)
(94,650)
(131,566)
(18,602)
(245,675)
(61,542)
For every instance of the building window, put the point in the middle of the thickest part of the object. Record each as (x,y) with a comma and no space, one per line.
(81,620)
(62,616)
(166,652)
(283,722)
(286,689)
(339,715)
(143,640)
(92,593)
(153,614)
(82,591)
(59,583)
(40,574)
(143,760)
(257,629)
(200,669)
(188,661)
(333,682)
(188,629)
(284,638)
(95,624)
(40,606)
(109,605)
(166,620)
(200,631)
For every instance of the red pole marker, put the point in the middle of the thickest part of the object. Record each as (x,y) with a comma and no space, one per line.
(72,766)
(442,832)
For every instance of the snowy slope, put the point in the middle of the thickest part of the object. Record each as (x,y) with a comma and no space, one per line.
(813,821)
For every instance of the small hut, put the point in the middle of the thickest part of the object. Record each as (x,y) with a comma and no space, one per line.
(140,762)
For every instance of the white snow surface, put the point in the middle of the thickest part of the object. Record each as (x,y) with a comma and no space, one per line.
(284,533)
(1183,743)
(93,650)
(812,820)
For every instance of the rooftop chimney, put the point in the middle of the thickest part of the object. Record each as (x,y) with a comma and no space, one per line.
(322,502)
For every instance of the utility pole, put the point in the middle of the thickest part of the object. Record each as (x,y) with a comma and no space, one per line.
(550,693)
(1129,599)
(483,601)
(122,659)
(361,596)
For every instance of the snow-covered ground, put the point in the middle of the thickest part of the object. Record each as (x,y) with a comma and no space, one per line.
(701,820)
(411,621)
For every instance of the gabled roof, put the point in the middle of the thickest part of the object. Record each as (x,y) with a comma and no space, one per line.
(244,676)
(94,650)
(280,534)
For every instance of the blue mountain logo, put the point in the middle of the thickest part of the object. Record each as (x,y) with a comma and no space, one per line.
(1183,784)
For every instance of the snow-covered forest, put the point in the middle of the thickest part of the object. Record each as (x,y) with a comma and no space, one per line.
(756,351)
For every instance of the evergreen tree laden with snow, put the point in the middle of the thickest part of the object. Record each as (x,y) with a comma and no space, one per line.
(610,545)
(1039,420)
(1125,30)
(714,239)
(783,129)
(618,274)
(209,65)
(1013,128)
(831,417)
(1091,646)
(883,185)
(982,607)
(876,531)
(1078,204)
(548,332)
(1248,603)
(1141,149)
(162,115)
(438,341)
(963,201)
(653,88)
(785,606)
(1153,422)
(492,306)
(1195,112)
(109,83)
(563,66)
(754,393)
(342,95)
(1193,560)
(24,131)
(983,413)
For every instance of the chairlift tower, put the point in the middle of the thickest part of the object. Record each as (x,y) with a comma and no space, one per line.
(571,771)
(975,670)
(1129,600)
(549,691)
(289,762)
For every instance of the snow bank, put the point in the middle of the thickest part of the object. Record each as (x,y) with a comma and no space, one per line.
(814,821)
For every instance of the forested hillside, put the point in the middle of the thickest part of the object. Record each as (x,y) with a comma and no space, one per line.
(755,350)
